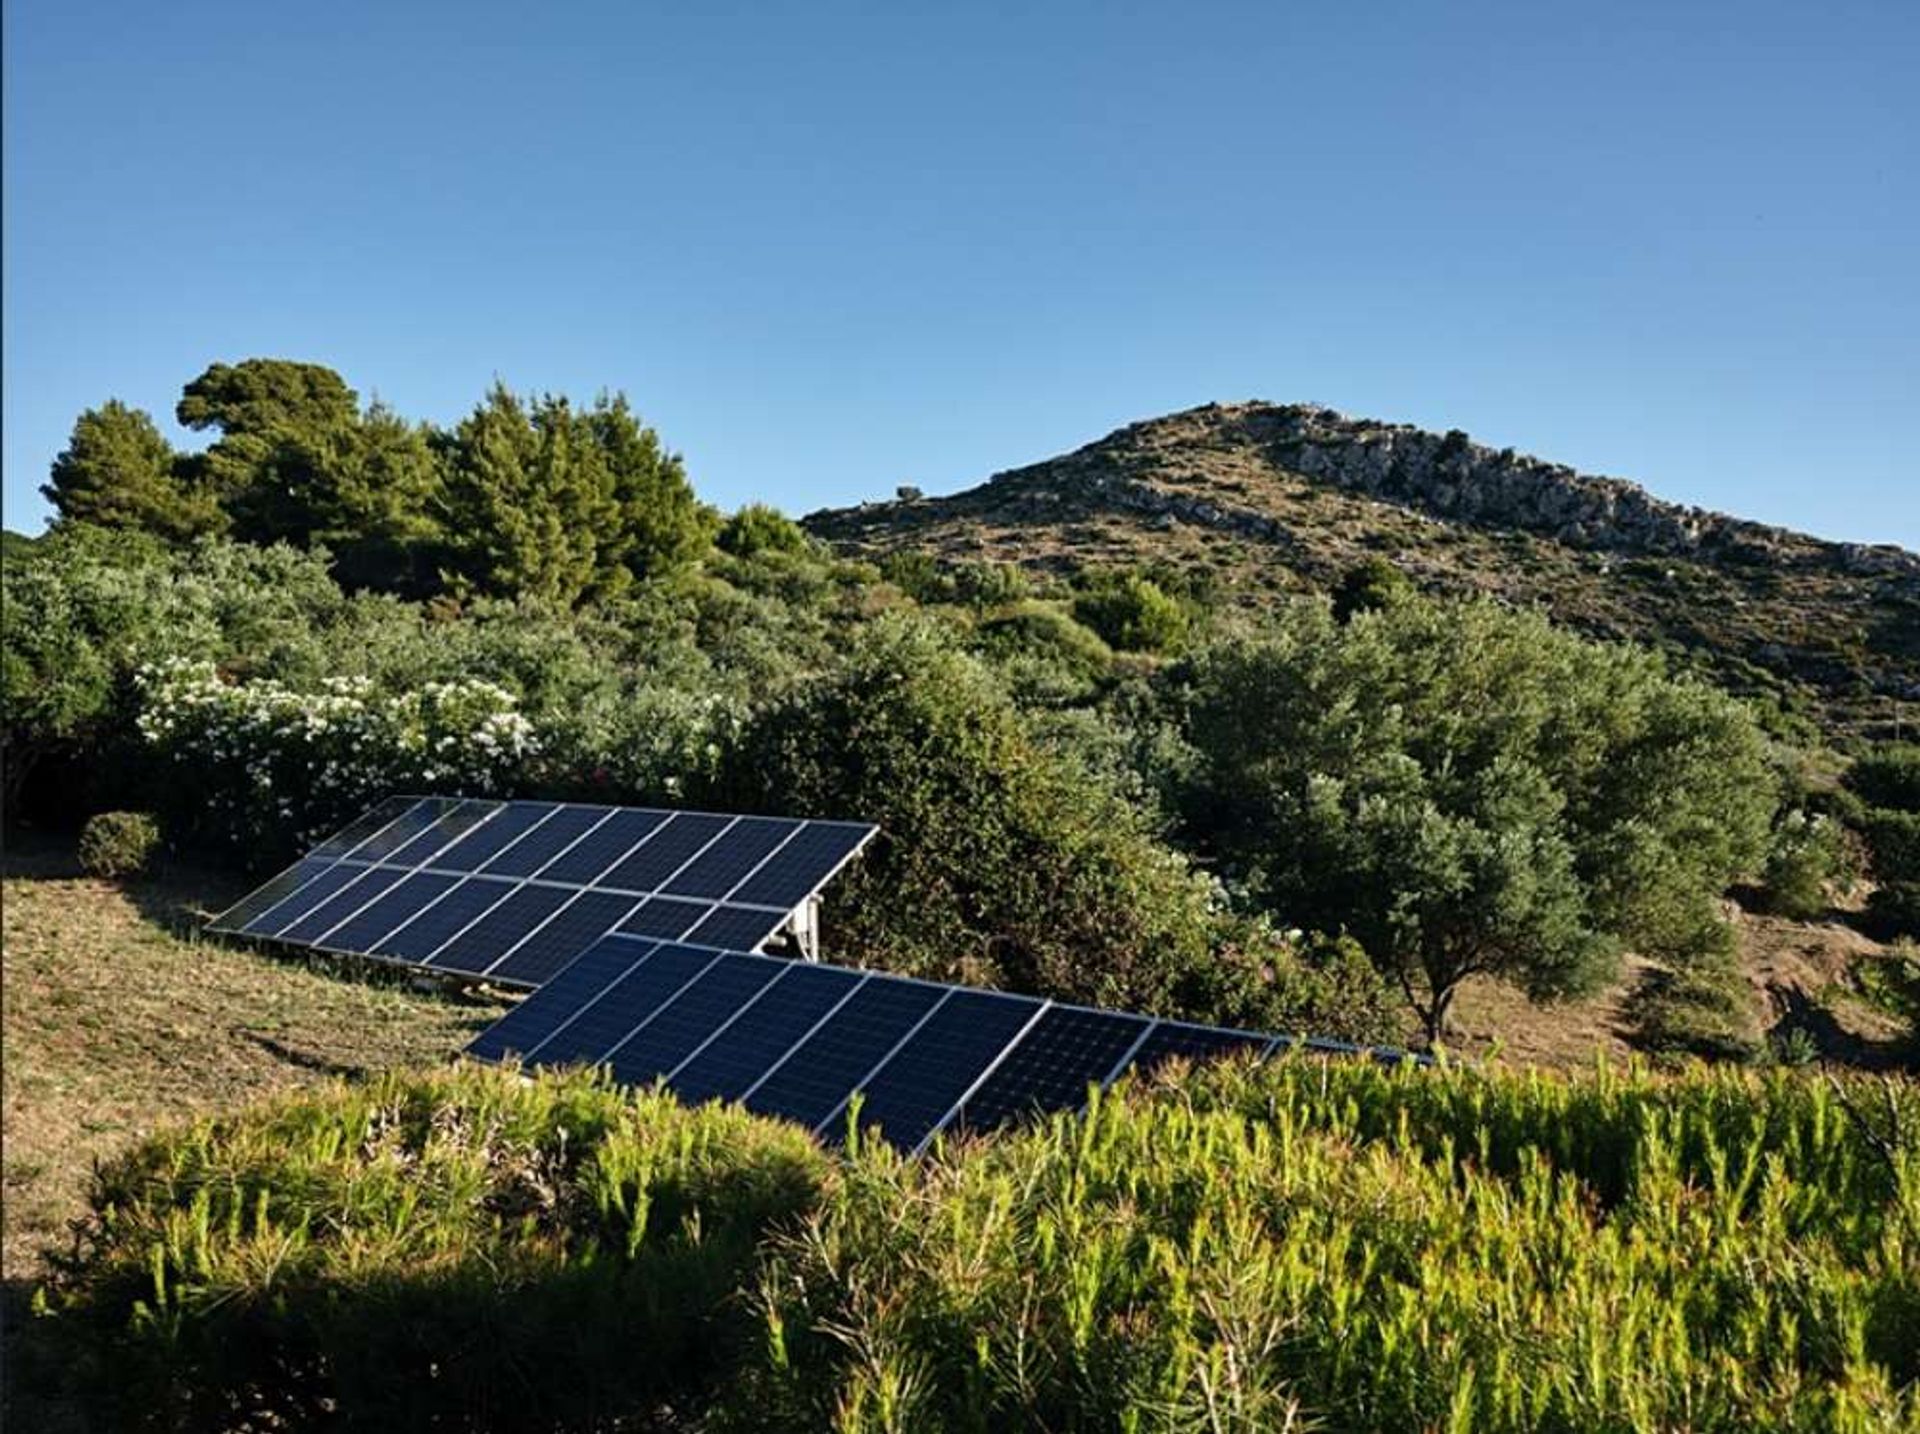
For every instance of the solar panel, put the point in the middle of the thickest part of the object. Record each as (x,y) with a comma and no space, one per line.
(531,1022)
(924,1081)
(808,860)
(362,827)
(439,921)
(654,864)
(803,1041)
(815,1078)
(626,1005)
(691,1018)
(764,1031)
(1066,1051)
(506,826)
(365,887)
(559,831)
(660,874)
(574,927)
(1169,1039)
(446,829)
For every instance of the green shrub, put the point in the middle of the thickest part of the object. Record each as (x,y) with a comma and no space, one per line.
(1807,856)
(999,860)
(1370,586)
(1893,838)
(450,1250)
(760,528)
(1349,1247)
(1469,790)
(1889,776)
(118,843)
(1132,613)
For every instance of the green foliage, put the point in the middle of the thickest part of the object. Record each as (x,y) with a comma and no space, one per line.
(1045,655)
(449,1250)
(1889,776)
(1369,586)
(1808,856)
(1132,613)
(283,427)
(1893,838)
(998,861)
(1349,1247)
(1468,790)
(119,471)
(114,844)
(84,607)
(760,528)
(562,505)
(1306,1244)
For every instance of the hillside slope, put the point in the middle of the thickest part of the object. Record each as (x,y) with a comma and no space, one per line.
(1271,498)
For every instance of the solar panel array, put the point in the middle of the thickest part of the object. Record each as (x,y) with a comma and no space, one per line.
(514,891)
(799,1039)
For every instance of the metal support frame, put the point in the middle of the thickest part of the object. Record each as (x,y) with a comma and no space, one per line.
(806,928)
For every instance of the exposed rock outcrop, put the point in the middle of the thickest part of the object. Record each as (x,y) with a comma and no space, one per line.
(1447,475)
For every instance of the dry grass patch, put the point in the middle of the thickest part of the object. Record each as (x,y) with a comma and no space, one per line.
(118,1018)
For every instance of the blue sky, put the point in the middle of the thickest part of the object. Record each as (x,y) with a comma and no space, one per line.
(829,249)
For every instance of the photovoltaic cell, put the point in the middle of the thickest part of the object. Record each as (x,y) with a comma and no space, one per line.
(922,1081)
(725,864)
(481,945)
(546,841)
(624,856)
(1193,1043)
(629,1003)
(669,849)
(399,905)
(668,918)
(265,898)
(338,907)
(362,827)
(536,1019)
(737,928)
(812,1081)
(447,829)
(402,829)
(602,846)
(440,922)
(279,917)
(799,868)
(690,1018)
(579,924)
(478,847)
(1067,1050)
(764,1031)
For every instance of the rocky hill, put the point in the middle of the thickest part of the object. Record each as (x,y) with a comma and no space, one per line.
(1266,498)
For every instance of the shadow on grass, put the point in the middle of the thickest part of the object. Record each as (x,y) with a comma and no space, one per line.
(1832,1041)
(33,1395)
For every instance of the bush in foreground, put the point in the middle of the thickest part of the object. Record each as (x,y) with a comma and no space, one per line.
(116,844)
(455,1250)
(1330,1244)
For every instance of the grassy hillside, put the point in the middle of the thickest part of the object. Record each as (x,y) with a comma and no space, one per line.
(1262,499)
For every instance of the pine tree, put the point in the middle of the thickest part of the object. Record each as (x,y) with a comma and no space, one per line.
(119,471)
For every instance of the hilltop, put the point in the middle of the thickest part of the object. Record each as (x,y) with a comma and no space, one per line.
(1267,498)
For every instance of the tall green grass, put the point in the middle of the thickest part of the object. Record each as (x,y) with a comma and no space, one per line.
(1309,1244)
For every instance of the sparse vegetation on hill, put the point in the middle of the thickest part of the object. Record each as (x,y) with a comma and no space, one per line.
(1270,500)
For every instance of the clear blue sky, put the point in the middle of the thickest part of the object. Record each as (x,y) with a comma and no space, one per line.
(828,249)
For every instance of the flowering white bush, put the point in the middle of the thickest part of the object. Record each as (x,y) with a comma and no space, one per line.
(268,767)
